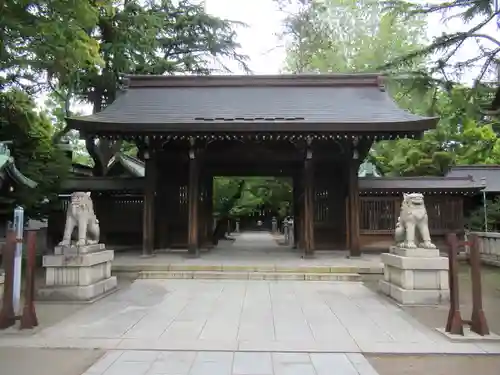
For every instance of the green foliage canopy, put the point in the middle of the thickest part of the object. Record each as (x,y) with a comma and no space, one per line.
(33,151)
(271,193)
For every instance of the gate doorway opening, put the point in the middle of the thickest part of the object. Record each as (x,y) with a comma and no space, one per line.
(254,203)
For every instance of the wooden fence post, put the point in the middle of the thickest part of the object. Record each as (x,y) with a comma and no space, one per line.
(454,325)
(478,322)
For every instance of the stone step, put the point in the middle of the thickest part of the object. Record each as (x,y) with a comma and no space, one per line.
(242,275)
(245,268)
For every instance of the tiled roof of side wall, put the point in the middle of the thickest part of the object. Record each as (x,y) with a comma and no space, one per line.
(490,174)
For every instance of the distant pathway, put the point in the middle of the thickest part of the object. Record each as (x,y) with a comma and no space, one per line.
(256,241)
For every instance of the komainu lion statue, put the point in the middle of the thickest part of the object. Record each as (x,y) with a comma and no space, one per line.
(412,228)
(80,213)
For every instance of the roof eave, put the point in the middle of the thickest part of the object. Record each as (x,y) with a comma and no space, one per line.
(18,177)
(96,126)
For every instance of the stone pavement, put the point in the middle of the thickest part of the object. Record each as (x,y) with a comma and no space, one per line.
(248,249)
(242,327)
(118,362)
(247,315)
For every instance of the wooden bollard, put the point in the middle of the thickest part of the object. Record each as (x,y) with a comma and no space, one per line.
(29,319)
(478,322)
(454,325)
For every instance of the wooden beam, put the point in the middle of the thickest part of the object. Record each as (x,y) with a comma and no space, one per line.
(193,203)
(149,204)
(308,204)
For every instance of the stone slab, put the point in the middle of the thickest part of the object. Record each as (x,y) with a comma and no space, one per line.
(84,293)
(416,253)
(78,260)
(469,336)
(414,263)
(414,297)
(249,275)
(73,249)
(159,362)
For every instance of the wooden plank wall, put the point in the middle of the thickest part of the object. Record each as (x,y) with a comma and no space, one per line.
(120,216)
(378,217)
(329,207)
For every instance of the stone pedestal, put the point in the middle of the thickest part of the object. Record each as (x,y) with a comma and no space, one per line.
(78,274)
(415,276)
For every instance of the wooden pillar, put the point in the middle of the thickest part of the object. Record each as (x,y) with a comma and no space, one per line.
(193,201)
(354,205)
(308,215)
(209,217)
(148,227)
(163,203)
(296,211)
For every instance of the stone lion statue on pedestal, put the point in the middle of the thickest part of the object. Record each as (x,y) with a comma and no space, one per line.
(412,228)
(80,213)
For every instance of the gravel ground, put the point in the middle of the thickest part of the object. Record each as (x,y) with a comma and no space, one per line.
(435,365)
(30,361)
(435,317)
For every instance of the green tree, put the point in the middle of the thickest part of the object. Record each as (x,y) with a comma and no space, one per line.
(444,54)
(155,37)
(46,41)
(343,36)
(33,150)
(463,136)
(253,194)
(476,218)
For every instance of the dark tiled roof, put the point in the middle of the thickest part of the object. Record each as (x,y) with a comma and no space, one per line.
(103,184)
(349,103)
(491,173)
(436,185)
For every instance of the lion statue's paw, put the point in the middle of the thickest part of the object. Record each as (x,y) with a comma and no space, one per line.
(428,245)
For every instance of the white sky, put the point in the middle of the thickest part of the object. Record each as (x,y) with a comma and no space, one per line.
(259,40)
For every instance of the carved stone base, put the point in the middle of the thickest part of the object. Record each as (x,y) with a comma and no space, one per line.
(415,276)
(73,249)
(83,276)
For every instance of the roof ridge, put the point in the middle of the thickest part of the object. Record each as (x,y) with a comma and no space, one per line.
(291,80)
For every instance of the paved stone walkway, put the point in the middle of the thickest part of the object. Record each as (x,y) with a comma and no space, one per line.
(247,315)
(119,362)
(249,248)
(243,327)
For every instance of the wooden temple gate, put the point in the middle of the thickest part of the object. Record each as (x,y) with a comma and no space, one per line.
(313,128)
